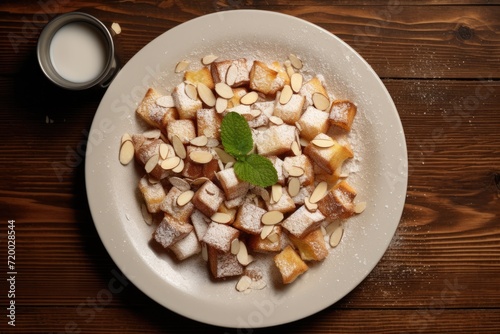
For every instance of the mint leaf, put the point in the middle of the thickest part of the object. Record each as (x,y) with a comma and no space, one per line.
(236,135)
(237,140)
(256,170)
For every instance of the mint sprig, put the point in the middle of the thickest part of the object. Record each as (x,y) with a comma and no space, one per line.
(236,135)
(237,140)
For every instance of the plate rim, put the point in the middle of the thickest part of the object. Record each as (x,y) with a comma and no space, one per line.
(181,310)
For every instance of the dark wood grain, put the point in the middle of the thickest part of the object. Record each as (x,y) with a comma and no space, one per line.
(424,41)
(130,320)
(441,273)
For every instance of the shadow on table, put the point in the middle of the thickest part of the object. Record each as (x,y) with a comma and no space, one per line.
(42,98)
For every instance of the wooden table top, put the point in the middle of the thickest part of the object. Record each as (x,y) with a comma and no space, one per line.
(440,61)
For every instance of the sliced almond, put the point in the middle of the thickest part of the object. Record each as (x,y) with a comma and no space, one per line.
(293,186)
(297,133)
(272,217)
(255,113)
(231,74)
(224,90)
(249,98)
(179,148)
(221,218)
(336,236)
(276,192)
(181,66)
(242,256)
(220,105)
(273,237)
(276,120)
(152,134)
(359,207)
(152,163)
(126,152)
(262,192)
(258,284)
(249,259)
(296,148)
(207,133)
(295,171)
(125,137)
(266,230)
(323,143)
(223,155)
(243,283)
(201,157)
(170,163)
(245,261)
(199,141)
(320,101)
(212,142)
(286,94)
(115,27)
(310,206)
(289,68)
(295,61)
(191,91)
(303,142)
(331,227)
(171,151)
(165,101)
(179,183)
(208,59)
(296,82)
(265,195)
(343,174)
(319,192)
(152,180)
(221,165)
(235,246)
(206,94)
(146,215)
(298,126)
(199,181)
(164,150)
(185,197)
(179,168)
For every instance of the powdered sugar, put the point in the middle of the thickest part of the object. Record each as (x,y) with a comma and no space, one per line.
(271,140)
(220,236)
(302,220)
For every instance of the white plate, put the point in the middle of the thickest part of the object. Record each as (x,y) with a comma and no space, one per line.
(379,171)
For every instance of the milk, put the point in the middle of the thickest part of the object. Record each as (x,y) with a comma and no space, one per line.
(78,52)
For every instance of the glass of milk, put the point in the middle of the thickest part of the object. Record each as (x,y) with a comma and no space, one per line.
(76,51)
